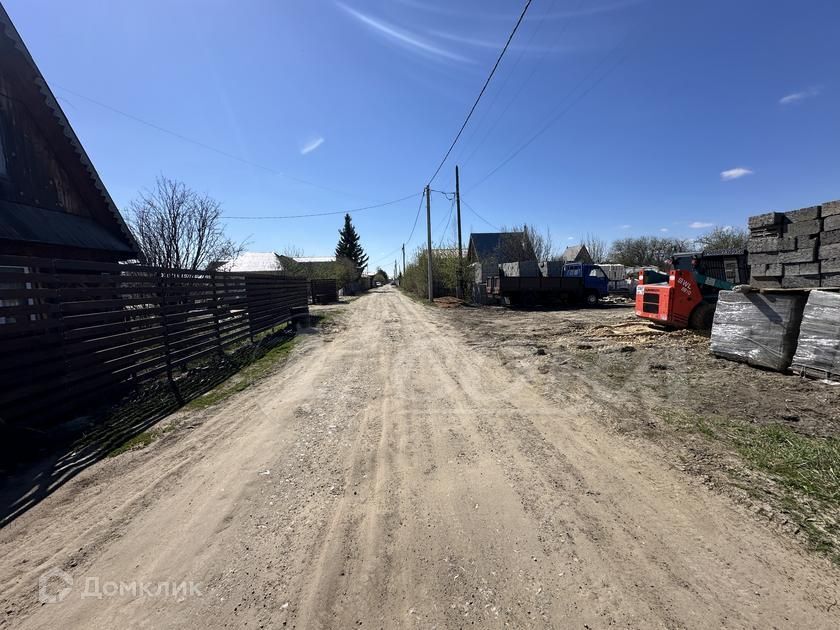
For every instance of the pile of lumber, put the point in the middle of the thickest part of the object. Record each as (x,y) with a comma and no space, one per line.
(799,249)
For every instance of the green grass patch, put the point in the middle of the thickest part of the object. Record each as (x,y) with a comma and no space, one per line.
(243,379)
(141,440)
(806,464)
(805,469)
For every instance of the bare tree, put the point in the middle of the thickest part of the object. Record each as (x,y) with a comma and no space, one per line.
(642,251)
(597,247)
(724,238)
(535,245)
(292,251)
(540,241)
(179,228)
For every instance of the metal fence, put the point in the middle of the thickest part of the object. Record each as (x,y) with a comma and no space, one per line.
(73,331)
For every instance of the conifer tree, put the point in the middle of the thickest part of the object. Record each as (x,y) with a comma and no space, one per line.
(348,245)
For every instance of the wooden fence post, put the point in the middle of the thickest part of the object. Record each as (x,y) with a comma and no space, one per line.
(166,349)
(213,278)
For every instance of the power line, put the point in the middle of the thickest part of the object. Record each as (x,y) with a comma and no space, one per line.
(558,115)
(507,78)
(201,144)
(388,255)
(518,93)
(483,88)
(416,218)
(471,209)
(322,214)
(448,221)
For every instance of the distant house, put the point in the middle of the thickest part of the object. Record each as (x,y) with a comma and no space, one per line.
(487,249)
(445,252)
(253,261)
(577,253)
(52,202)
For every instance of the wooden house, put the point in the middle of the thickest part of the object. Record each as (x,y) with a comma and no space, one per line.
(52,202)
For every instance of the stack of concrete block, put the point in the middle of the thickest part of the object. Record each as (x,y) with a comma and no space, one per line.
(757,328)
(551,268)
(614,272)
(483,271)
(818,348)
(616,277)
(799,249)
(521,269)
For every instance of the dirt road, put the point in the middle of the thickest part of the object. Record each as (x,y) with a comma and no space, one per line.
(389,476)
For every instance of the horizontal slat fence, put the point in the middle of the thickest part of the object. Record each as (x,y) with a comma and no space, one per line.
(72,331)
(323,291)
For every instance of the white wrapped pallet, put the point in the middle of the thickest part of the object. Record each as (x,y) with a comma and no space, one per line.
(818,348)
(614,272)
(475,272)
(619,286)
(757,328)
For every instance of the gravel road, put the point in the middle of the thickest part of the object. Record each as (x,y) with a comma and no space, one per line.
(392,475)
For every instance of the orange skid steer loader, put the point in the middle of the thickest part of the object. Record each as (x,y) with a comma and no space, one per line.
(686,297)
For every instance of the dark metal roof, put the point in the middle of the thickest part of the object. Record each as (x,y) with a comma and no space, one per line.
(54,112)
(36,225)
(486,246)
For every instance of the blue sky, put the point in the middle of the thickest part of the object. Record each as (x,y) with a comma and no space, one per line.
(649,115)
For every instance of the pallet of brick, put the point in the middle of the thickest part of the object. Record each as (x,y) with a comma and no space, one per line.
(764,246)
(614,272)
(800,266)
(829,251)
(521,269)
(551,268)
(818,348)
(784,249)
(767,225)
(760,329)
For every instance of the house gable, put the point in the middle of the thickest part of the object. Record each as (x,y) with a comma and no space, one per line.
(44,166)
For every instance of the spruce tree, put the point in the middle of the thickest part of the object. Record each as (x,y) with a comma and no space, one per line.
(348,245)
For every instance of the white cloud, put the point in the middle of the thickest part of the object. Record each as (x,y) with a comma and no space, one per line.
(697,225)
(626,226)
(404,38)
(570,238)
(735,173)
(795,97)
(663,229)
(496,45)
(311,145)
(605,7)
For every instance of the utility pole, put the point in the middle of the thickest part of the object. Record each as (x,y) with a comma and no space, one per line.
(429,239)
(459,289)
(395,271)
(403,248)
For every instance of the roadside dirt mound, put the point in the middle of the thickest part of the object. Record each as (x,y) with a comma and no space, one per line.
(448,302)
